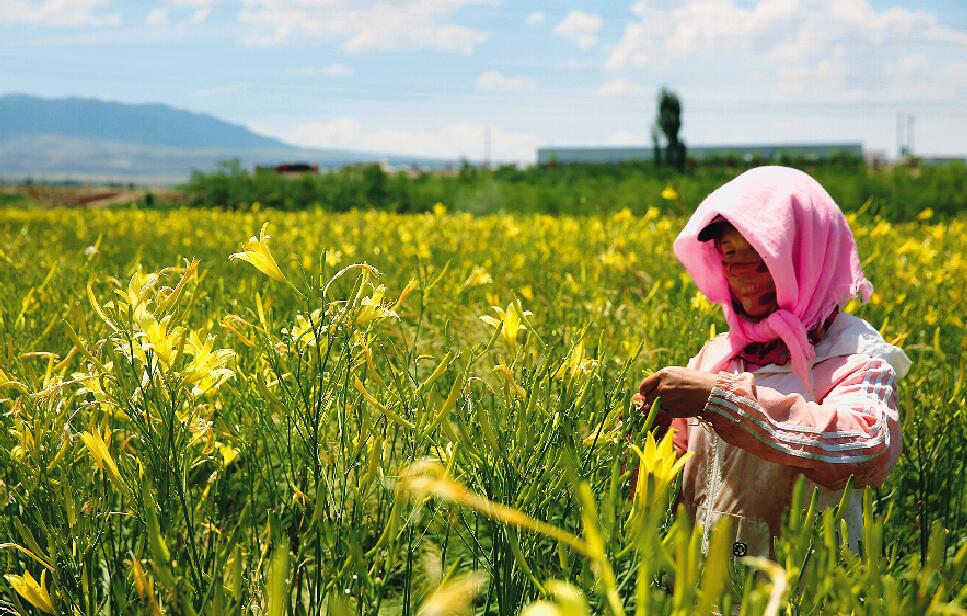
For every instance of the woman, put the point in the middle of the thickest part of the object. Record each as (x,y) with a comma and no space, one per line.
(795,387)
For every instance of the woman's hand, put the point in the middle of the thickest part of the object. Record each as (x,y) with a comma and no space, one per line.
(684,392)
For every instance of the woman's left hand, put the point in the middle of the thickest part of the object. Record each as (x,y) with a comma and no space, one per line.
(684,392)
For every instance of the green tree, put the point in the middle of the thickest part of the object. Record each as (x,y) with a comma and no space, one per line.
(656,146)
(669,120)
(375,183)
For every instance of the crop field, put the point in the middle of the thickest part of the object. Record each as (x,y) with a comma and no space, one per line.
(375,413)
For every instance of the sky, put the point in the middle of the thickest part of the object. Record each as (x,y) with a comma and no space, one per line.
(448,77)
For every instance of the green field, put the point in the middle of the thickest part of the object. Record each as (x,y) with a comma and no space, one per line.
(898,193)
(346,435)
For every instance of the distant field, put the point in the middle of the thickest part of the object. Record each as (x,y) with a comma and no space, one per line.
(202,437)
(47,195)
(897,193)
(900,193)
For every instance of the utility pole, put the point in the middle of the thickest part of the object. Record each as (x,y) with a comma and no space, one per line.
(904,134)
(899,135)
(487,147)
(910,119)
(489,181)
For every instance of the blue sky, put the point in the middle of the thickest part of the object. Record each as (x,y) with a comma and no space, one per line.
(434,77)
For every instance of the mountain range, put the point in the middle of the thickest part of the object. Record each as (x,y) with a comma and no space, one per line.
(94,141)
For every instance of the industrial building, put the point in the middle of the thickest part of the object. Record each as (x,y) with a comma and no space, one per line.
(819,151)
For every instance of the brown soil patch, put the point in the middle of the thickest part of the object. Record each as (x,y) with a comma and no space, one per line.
(92,196)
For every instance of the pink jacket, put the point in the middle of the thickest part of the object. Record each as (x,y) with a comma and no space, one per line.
(759,431)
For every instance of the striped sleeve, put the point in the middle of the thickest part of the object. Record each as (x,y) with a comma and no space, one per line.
(852,430)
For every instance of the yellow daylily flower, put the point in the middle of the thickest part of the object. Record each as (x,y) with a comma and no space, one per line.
(411,286)
(139,286)
(568,601)
(670,194)
(302,332)
(371,308)
(31,590)
(256,251)
(622,216)
(7,381)
(700,302)
(443,452)
(91,383)
(478,276)
(154,335)
(576,363)
(99,451)
(510,318)
(658,467)
(229,453)
(455,596)
(207,369)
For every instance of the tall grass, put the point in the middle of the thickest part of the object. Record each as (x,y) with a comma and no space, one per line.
(330,427)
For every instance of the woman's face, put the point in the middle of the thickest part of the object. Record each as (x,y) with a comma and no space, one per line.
(749,279)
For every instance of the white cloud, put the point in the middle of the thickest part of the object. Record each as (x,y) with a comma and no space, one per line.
(580,27)
(336,69)
(157,17)
(196,11)
(364,25)
(191,4)
(535,18)
(494,81)
(696,26)
(341,133)
(620,87)
(842,49)
(199,16)
(832,70)
(456,140)
(65,13)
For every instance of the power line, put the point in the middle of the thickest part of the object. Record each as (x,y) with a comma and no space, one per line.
(537,100)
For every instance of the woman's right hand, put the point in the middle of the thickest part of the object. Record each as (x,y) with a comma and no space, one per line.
(684,392)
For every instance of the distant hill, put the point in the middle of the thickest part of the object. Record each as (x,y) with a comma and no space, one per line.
(94,140)
(150,124)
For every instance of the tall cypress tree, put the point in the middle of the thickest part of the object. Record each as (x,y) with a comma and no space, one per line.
(670,122)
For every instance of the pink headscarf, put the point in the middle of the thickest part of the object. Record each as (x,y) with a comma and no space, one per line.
(802,235)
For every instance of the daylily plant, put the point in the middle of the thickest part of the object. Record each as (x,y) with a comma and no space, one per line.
(510,319)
